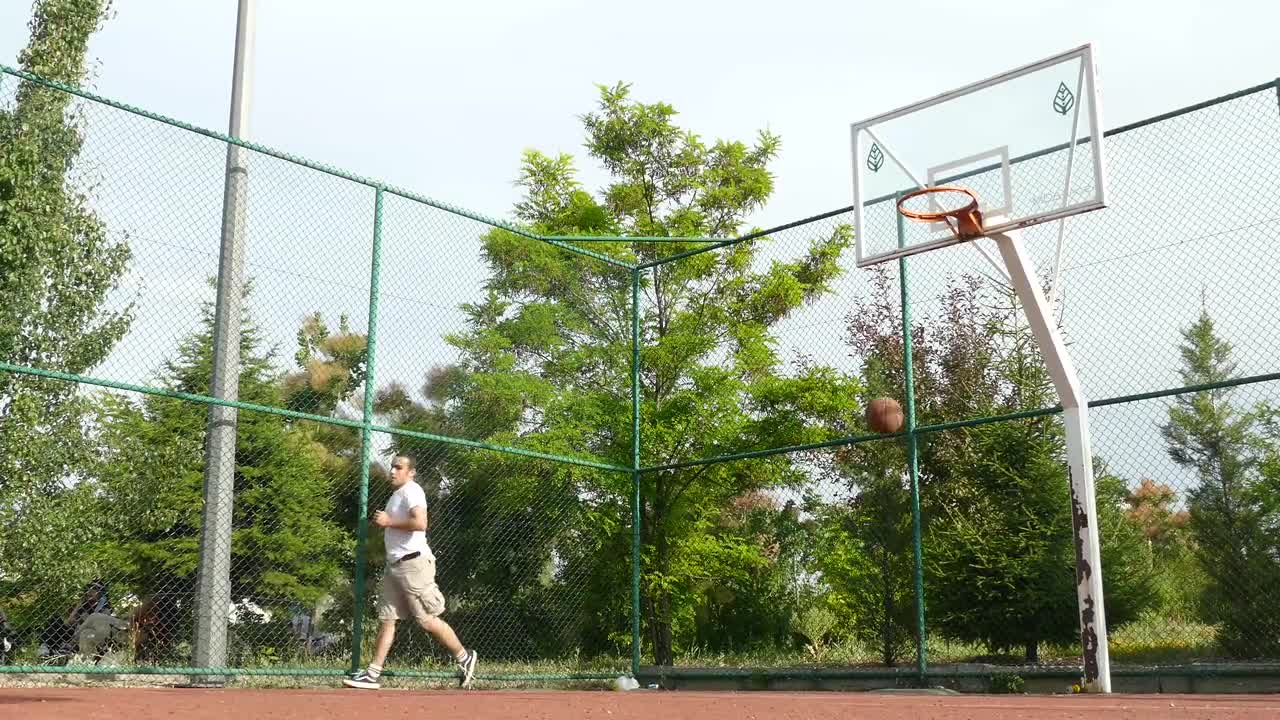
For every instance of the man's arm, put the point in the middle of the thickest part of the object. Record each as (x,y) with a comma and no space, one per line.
(417,520)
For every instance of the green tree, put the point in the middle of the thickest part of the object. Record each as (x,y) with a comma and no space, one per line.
(864,552)
(517,542)
(286,544)
(866,546)
(328,379)
(59,265)
(330,368)
(545,362)
(999,554)
(1233,506)
(1179,579)
(1264,501)
(1002,555)
(753,596)
(1151,507)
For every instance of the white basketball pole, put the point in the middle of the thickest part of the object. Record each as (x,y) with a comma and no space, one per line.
(1084,509)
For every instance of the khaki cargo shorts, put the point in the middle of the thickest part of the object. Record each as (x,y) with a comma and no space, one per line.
(409,590)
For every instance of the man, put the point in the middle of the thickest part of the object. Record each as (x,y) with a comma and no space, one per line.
(100,633)
(60,636)
(6,639)
(409,587)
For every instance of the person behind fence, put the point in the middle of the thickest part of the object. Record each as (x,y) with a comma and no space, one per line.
(61,634)
(409,587)
(7,639)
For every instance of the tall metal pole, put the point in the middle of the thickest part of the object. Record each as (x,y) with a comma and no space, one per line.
(635,472)
(366,435)
(913,460)
(213,587)
(1084,507)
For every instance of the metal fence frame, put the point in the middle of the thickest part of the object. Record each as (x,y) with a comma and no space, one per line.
(911,434)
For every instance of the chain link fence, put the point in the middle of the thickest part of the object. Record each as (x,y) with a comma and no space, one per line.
(634,453)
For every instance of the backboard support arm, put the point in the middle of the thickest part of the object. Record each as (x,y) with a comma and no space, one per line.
(1084,510)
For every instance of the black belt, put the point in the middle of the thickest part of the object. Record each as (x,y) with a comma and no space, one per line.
(408,556)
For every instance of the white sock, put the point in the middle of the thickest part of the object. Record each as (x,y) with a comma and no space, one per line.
(462,655)
(375,671)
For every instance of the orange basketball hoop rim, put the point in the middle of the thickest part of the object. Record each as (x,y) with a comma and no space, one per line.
(965,222)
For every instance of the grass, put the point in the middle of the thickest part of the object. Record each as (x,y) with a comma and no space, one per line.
(1152,640)
(1157,640)
(428,673)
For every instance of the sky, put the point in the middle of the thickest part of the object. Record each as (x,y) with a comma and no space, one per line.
(442,99)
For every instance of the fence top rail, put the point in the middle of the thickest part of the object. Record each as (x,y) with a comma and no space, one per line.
(263,149)
(1186,110)
(562,241)
(310,164)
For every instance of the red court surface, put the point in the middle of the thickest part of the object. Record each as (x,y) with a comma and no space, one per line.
(236,704)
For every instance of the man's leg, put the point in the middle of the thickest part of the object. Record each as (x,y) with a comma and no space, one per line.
(427,604)
(444,634)
(386,635)
(371,677)
(391,607)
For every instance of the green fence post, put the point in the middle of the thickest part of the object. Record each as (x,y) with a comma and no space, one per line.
(913,456)
(366,435)
(635,472)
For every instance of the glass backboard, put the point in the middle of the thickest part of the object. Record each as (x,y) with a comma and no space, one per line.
(1028,142)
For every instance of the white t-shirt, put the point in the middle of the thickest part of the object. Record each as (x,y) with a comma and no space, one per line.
(403,542)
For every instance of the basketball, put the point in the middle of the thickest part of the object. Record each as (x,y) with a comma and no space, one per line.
(884,415)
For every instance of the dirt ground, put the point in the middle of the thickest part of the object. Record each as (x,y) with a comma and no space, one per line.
(242,704)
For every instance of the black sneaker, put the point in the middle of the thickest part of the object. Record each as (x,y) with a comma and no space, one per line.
(362,680)
(467,669)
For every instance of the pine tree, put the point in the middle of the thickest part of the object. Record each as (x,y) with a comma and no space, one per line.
(286,544)
(999,548)
(1232,515)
